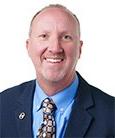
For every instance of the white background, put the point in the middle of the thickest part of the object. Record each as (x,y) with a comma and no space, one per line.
(97,18)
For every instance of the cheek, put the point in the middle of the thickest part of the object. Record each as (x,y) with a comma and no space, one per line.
(34,54)
(72,56)
(76,52)
(36,50)
(72,52)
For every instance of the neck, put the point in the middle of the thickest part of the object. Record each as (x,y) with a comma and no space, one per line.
(51,88)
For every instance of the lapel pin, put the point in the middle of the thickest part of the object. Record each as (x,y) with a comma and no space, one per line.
(22,115)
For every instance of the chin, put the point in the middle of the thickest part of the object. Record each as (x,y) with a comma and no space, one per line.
(54,77)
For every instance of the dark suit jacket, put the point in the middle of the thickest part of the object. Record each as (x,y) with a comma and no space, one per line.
(92,116)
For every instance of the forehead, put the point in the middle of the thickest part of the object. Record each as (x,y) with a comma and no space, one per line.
(55,15)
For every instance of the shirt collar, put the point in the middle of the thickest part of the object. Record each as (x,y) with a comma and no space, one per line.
(39,96)
(62,99)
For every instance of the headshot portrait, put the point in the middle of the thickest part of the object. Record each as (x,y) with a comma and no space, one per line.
(60,93)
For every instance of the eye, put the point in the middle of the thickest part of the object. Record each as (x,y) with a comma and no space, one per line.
(43,36)
(67,37)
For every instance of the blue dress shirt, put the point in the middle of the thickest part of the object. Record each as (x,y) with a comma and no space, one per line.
(63,101)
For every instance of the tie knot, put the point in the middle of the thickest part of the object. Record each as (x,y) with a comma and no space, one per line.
(48,106)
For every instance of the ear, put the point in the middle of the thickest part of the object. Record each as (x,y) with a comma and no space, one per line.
(27,45)
(80,47)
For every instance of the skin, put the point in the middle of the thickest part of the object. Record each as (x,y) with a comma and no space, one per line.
(54,47)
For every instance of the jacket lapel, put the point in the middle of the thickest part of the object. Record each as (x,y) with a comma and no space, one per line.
(23,112)
(80,120)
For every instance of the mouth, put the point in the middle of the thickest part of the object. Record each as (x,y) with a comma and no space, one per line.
(54,60)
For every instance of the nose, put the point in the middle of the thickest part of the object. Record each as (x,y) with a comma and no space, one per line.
(55,46)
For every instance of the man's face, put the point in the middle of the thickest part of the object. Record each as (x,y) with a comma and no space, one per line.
(54,45)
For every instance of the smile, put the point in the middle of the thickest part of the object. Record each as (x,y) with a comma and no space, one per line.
(54,60)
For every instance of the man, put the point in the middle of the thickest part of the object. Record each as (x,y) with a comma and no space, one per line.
(81,110)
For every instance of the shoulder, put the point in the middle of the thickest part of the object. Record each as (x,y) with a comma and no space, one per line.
(101,98)
(14,92)
(103,108)
(101,101)
(98,95)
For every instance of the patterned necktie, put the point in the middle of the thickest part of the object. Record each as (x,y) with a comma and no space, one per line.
(47,129)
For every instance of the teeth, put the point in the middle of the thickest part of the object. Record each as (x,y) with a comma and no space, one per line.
(53,60)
